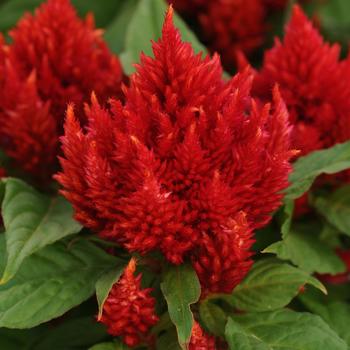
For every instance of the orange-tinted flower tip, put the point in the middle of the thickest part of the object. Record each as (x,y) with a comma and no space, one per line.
(70,116)
(168,25)
(131,267)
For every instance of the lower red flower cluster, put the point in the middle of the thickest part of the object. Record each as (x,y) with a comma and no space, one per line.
(129,310)
(200,340)
(190,165)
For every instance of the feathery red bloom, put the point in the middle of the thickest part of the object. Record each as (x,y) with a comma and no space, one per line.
(227,25)
(200,340)
(54,58)
(129,311)
(190,165)
(309,75)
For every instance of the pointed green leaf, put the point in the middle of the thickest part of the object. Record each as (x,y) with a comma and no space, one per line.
(307,168)
(335,207)
(181,288)
(51,282)
(282,329)
(115,34)
(299,244)
(213,317)
(117,345)
(270,285)
(32,220)
(335,313)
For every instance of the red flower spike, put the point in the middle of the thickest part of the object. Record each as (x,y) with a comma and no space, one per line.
(227,25)
(129,310)
(56,58)
(308,72)
(189,166)
(200,340)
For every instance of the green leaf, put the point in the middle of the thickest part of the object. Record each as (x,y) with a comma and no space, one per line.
(335,313)
(335,21)
(13,10)
(51,282)
(307,168)
(32,220)
(282,329)
(104,13)
(299,244)
(105,284)
(213,317)
(71,334)
(115,34)
(168,341)
(335,207)
(181,288)
(288,210)
(149,15)
(24,339)
(117,345)
(270,285)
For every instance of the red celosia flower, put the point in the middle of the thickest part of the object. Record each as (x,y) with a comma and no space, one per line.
(190,165)
(310,78)
(200,340)
(339,278)
(54,58)
(129,310)
(227,25)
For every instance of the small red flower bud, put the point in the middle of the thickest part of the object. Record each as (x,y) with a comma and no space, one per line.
(129,310)
(200,340)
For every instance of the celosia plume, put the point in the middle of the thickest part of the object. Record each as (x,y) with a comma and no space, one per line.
(128,311)
(189,165)
(311,80)
(200,340)
(54,58)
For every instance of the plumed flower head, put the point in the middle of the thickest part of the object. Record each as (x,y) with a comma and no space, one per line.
(57,58)
(189,165)
(129,311)
(227,25)
(200,340)
(309,76)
